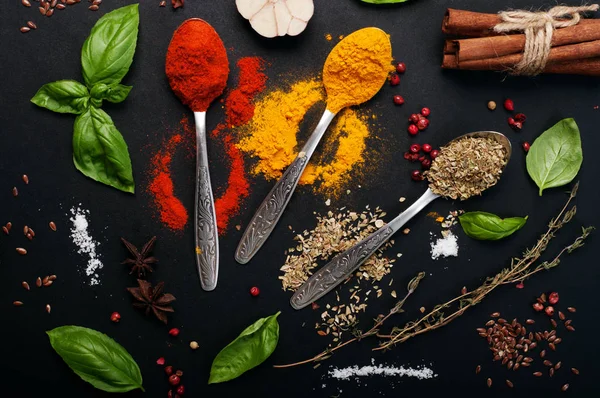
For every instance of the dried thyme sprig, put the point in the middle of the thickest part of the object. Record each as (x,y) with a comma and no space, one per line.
(518,271)
(358,335)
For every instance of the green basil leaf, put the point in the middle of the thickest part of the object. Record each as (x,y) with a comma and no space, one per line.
(251,348)
(63,96)
(108,51)
(114,93)
(96,358)
(384,1)
(487,226)
(100,152)
(555,157)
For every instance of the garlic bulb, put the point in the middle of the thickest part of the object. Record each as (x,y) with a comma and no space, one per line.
(272,18)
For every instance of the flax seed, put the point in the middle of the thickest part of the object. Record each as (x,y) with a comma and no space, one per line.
(15,191)
(557,366)
(21,251)
(489,382)
(561,316)
(8,225)
(5,230)
(48,283)
(509,383)
(48,308)
(52,226)
(60,6)
(42,10)
(553,322)
(565,387)
(38,282)
(575,371)
(490,323)
(570,328)
(516,366)
(25,285)
(557,341)
(478,369)
(571,309)
(94,7)
(495,315)
(530,321)
(538,374)
(551,372)
(568,322)
(50,12)
(52,277)
(17,303)
(26,3)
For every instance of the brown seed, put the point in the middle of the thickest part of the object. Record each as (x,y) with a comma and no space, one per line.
(526,364)
(71,2)
(463,290)
(32,232)
(23,29)
(97,2)
(93,7)
(568,322)
(60,6)
(490,323)
(509,383)
(21,251)
(38,282)
(17,303)
(552,333)
(32,26)
(48,309)
(162,3)
(481,330)
(478,369)
(570,328)
(538,336)
(47,283)
(26,3)
(537,374)
(510,365)
(519,358)
(547,363)
(52,226)
(42,10)
(53,3)
(15,191)
(489,382)
(8,225)
(5,230)
(52,278)
(25,230)
(50,12)
(501,321)
(495,315)
(543,297)
(551,372)
(558,365)
(561,316)
(571,309)
(29,236)
(575,371)
(565,387)
(557,341)
(527,359)
(532,345)
(551,338)
(321,333)
(516,366)
(530,321)
(553,322)
(25,285)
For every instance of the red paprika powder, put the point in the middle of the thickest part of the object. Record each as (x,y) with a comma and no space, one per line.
(197,67)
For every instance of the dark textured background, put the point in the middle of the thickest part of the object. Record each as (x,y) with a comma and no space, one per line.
(38,142)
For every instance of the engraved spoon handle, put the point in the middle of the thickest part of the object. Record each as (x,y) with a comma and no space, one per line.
(205,220)
(344,264)
(271,209)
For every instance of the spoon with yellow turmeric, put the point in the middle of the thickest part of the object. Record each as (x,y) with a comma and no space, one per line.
(354,72)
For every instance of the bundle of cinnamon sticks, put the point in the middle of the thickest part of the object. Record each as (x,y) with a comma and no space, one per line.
(575,49)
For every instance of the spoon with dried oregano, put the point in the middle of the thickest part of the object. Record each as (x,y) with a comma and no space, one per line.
(465,167)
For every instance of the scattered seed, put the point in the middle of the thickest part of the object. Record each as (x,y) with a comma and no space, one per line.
(490,323)
(509,383)
(495,315)
(547,363)
(45,279)
(321,333)
(23,29)
(568,322)
(8,225)
(551,372)
(532,345)
(557,341)
(32,232)
(575,371)
(25,230)
(48,309)
(50,12)
(52,278)
(25,285)
(162,3)
(17,303)
(60,6)
(53,3)
(97,2)
(29,236)
(558,365)
(15,191)
(537,374)
(516,366)
(478,369)
(565,387)
(561,316)
(5,230)
(489,382)
(21,251)
(48,283)
(32,25)
(94,7)
(571,309)
(530,321)
(42,10)
(570,328)
(553,322)
(38,282)
(26,3)
(52,226)
(543,297)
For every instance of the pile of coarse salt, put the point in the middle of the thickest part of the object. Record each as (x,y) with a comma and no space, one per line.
(420,373)
(85,243)
(445,247)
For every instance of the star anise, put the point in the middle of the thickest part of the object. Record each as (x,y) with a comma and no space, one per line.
(153,299)
(142,262)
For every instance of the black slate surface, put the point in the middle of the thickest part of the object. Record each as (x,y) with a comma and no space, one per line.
(38,143)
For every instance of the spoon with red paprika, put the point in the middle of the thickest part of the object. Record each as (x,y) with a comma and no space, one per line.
(197,69)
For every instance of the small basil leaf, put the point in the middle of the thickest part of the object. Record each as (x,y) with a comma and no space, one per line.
(96,358)
(95,102)
(63,96)
(487,226)
(108,51)
(251,348)
(555,157)
(114,93)
(100,152)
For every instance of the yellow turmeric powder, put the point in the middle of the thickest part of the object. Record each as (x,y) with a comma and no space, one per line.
(357,68)
(271,137)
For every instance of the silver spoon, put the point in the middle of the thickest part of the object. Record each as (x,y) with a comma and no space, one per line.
(270,211)
(344,264)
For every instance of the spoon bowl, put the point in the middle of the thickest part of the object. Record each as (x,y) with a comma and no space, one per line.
(344,264)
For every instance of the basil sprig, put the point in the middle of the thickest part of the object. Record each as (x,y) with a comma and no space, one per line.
(555,157)
(96,358)
(487,226)
(99,149)
(251,348)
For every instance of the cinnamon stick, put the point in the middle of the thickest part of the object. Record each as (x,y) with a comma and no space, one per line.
(477,24)
(584,67)
(497,46)
(571,52)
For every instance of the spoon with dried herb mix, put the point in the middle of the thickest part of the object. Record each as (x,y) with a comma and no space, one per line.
(465,167)
(197,69)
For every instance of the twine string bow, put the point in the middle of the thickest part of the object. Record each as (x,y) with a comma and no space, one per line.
(538,28)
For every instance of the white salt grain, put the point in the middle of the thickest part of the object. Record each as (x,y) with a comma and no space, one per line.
(86,244)
(421,373)
(445,247)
